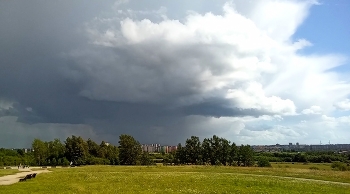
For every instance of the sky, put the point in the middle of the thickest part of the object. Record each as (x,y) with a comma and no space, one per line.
(256,72)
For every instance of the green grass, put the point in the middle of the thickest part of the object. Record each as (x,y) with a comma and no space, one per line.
(321,166)
(181,179)
(4,172)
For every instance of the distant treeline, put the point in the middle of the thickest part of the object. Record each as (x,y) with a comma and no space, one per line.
(211,151)
(304,157)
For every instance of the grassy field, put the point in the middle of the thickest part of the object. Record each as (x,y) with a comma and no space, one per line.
(4,172)
(320,166)
(183,179)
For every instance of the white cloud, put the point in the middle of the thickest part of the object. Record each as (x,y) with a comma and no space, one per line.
(224,126)
(253,97)
(320,128)
(207,55)
(246,56)
(312,110)
(307,81)
(236,129)
(277,134)
(336,121)
(280,19)
(343,105)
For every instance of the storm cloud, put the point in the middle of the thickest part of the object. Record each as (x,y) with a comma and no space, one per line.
(160,72)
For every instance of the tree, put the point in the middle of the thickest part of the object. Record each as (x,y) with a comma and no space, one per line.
(77,150)
(206,151)
(56,150)
(20,152)
(299,158)
(102,150)
(222,150)
(40,152)
(245,154)
(180,155)
(92,147)
(216,150)
(109,152)
(233,154)
(129,150)
(193,150)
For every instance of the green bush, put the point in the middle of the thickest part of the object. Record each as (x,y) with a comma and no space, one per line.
(263,162)
(339,166)
(96,161)
(145,159)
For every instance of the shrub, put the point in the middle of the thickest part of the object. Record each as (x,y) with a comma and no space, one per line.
(65,162)
(97,161)
(339,166)
(263,162)
(145,159)
(218,163)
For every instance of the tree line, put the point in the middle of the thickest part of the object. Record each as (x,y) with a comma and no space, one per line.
(305,157)
(211,151)
(77,151)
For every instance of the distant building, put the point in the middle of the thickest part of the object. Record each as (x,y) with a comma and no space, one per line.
(28,150)
(301,147)
(172,148)
(157,148)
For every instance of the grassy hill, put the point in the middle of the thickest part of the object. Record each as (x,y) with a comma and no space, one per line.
(184,179)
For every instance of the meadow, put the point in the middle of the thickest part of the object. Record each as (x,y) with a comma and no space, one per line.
(184,179)
(4,172)
(319,166)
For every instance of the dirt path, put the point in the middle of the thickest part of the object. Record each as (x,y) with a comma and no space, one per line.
(14,178)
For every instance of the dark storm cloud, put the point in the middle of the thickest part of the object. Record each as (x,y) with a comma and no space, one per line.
(53,74)
(32,37)
(219,108)
(9,112)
